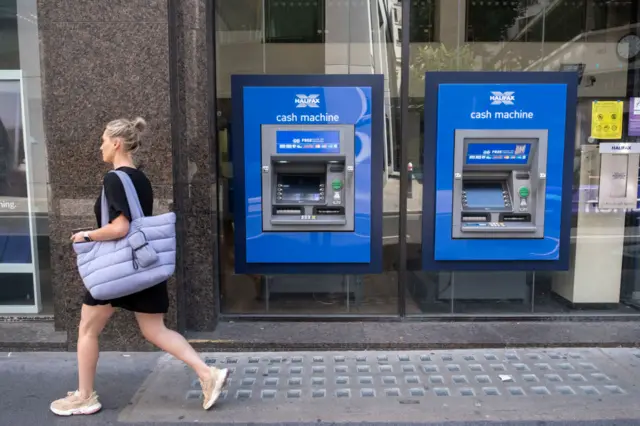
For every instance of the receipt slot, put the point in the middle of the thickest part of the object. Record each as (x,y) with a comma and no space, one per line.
(618,187)
(499,183)
(308,156)
(498,158)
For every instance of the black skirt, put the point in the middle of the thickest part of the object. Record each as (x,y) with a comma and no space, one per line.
(154,300)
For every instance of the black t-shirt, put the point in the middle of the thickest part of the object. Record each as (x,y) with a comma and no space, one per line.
(117,198)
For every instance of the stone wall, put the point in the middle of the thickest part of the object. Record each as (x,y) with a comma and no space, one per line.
(130,58)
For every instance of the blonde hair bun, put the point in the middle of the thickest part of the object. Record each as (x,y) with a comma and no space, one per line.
(129,130)
(140,124)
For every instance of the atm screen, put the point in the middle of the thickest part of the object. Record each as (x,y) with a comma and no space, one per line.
(299,188)
(498,153)
(484,195)
(308,141)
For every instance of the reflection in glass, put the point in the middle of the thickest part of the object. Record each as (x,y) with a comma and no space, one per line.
(16,256)
(25,267)
(17,289)
(297,188)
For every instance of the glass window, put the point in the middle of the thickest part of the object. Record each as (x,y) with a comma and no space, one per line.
(9,57)
(422,19)
(24,253)
(607,15)
(293,22)
(535,35)
(489,21)
(308,37)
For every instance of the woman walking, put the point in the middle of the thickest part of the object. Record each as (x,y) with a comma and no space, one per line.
(120,140)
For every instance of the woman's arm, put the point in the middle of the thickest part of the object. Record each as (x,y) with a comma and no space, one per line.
(118,228)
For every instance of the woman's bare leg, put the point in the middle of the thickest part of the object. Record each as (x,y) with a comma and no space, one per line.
(153,328)
(212,380)
(93,319)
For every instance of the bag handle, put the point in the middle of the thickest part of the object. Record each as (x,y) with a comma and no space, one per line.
(132,198)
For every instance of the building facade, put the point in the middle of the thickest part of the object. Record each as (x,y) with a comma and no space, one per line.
(66,68)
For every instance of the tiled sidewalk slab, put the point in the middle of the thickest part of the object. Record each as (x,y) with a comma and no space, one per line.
(407,386)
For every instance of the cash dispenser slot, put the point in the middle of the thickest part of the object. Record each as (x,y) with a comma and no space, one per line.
(476,217)
(288,210)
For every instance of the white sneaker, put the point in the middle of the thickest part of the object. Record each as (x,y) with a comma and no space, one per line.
(73,404)
(212,388)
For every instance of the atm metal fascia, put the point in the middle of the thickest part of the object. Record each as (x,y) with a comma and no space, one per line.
(433,80)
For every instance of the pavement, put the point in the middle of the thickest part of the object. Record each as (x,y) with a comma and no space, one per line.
(524,386)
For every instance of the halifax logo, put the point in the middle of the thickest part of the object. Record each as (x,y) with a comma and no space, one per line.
(502,98)
(310,101)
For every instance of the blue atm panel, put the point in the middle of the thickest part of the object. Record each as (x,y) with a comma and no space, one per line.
(498,170)
(308,193)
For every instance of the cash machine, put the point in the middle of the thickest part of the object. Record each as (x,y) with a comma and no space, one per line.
(498,157)
(308,189)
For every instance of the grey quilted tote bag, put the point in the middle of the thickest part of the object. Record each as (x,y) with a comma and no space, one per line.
(142,259)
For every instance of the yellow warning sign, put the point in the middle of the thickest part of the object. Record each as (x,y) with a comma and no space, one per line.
(606,119)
